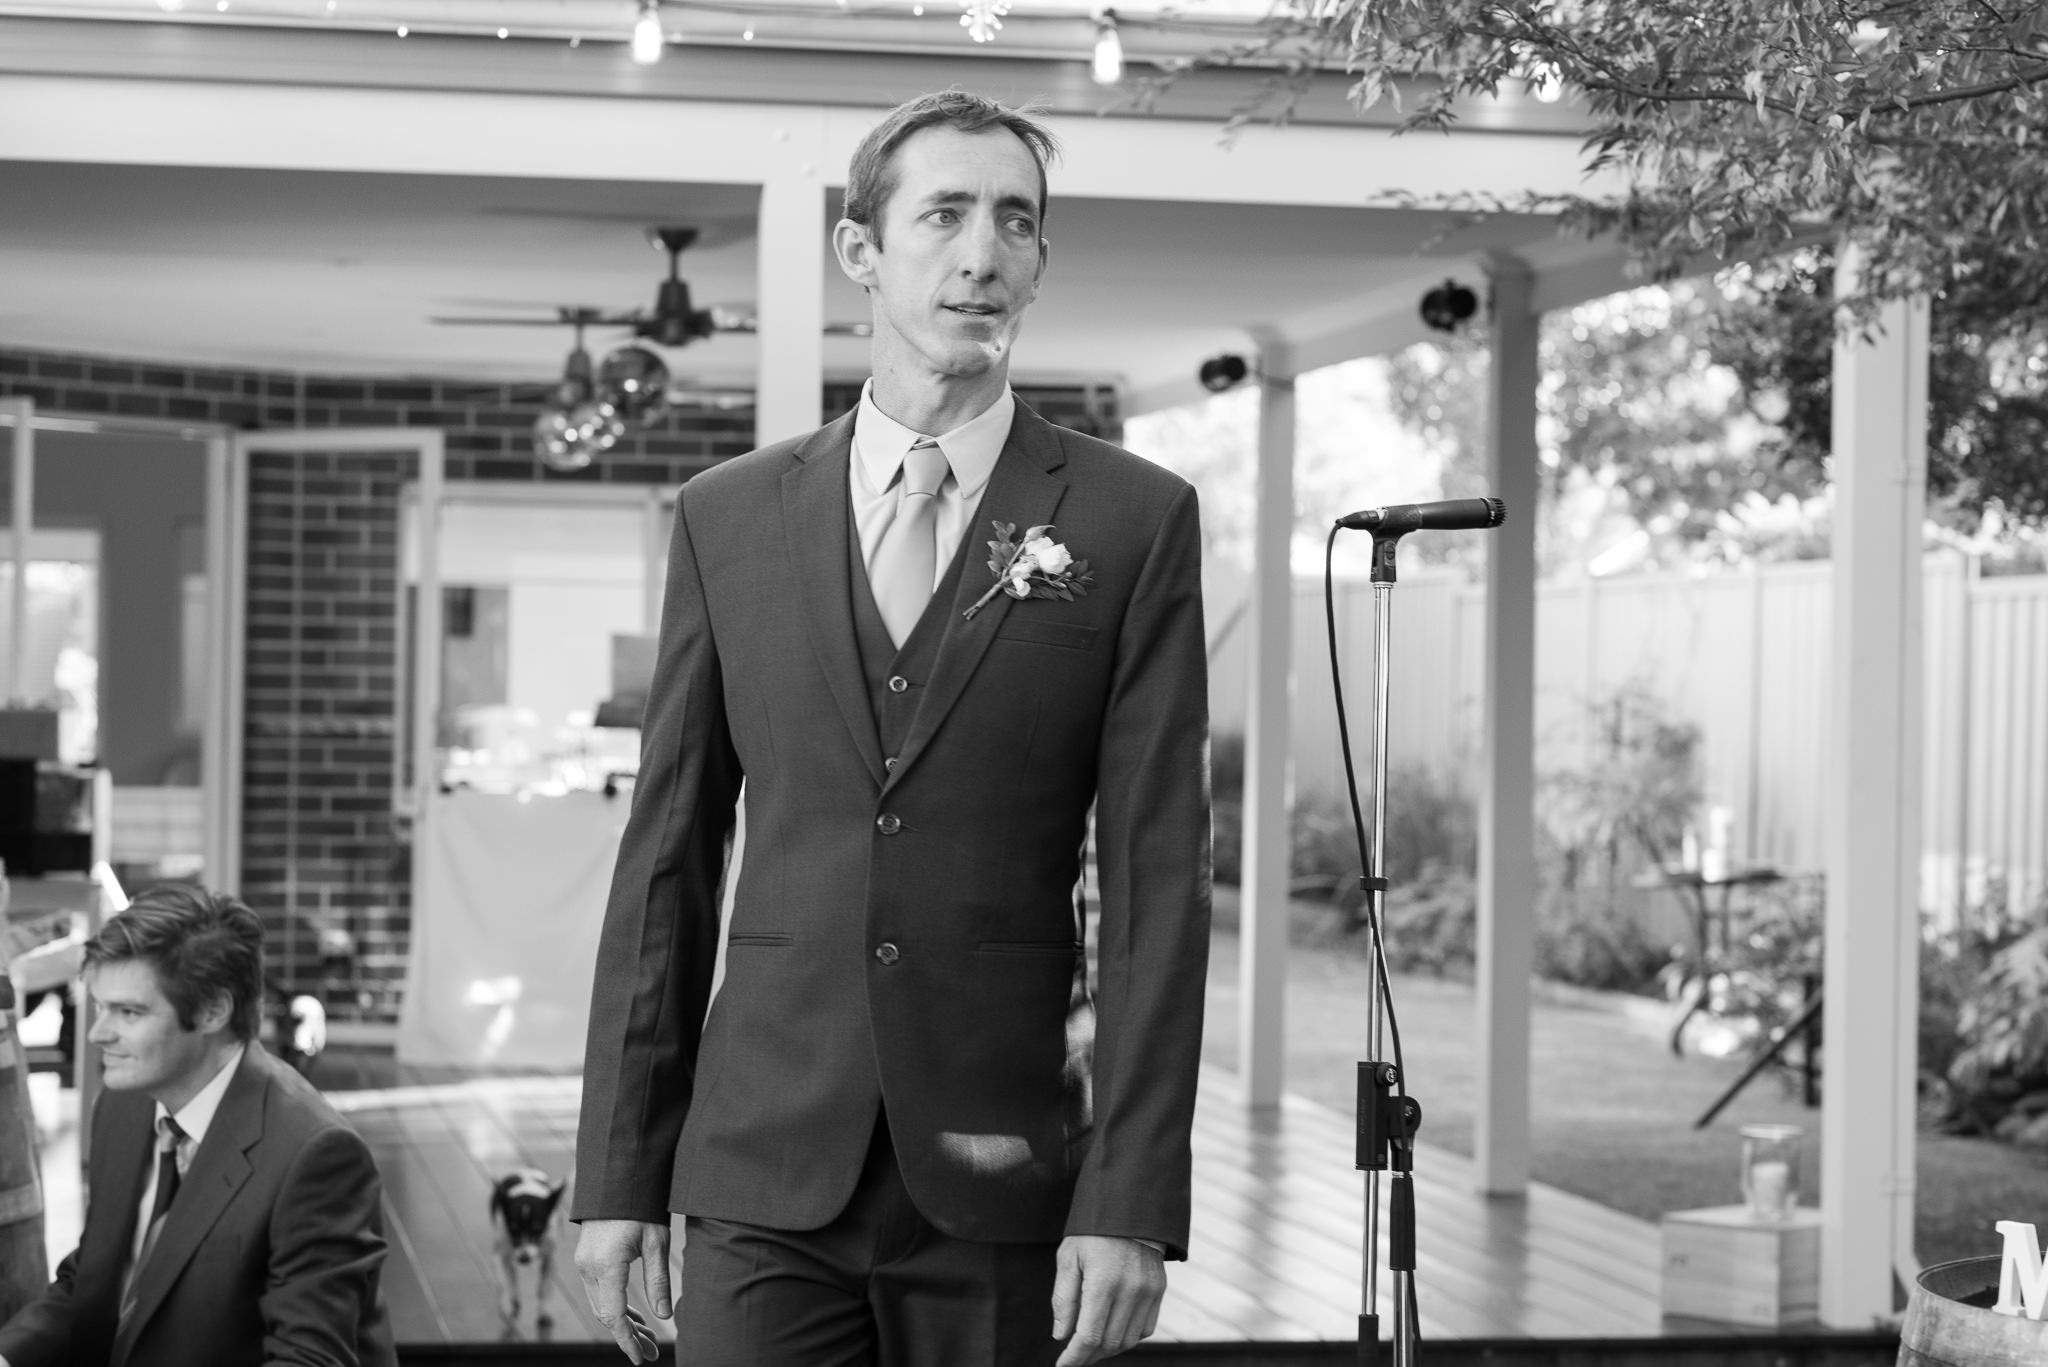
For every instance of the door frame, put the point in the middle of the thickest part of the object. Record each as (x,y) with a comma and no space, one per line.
(419,508)
(220,778)
(429,447)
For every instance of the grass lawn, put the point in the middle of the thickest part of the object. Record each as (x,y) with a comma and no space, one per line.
(1611,1110)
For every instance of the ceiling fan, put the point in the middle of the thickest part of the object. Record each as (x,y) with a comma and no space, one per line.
(673,322)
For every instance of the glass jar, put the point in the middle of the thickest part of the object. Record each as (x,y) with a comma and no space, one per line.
(1770,1170)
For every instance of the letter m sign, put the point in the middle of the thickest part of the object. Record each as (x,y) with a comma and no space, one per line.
(2022,1279)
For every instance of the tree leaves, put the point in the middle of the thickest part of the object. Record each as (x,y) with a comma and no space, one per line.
(1745,123)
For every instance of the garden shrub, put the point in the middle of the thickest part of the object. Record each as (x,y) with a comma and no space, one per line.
(1997,1076)
(1433,923)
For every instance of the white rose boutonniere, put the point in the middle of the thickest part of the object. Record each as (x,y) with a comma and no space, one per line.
(1032,566)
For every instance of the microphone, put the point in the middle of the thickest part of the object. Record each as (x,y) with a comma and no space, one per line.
(1446,515)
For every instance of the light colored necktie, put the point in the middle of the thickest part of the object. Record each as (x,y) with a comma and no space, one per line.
(907,560)
(166,1191)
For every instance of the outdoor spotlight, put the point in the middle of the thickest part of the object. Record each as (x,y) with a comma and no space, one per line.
(1219,373)
(1108,65)
(648,40)
(1448,305)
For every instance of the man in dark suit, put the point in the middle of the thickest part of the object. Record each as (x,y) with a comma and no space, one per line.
(234,1217)
(896,1137)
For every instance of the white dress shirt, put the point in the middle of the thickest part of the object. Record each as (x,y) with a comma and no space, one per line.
(879,445)
(193,1118)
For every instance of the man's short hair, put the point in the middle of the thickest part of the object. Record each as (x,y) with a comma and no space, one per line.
(871,176)
(202,945)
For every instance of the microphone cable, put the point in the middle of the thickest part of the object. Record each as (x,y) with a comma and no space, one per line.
(1374,904)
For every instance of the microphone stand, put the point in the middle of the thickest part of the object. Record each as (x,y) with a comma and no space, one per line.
(1387,1116)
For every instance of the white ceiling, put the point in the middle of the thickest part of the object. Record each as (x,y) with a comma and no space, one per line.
(340,272)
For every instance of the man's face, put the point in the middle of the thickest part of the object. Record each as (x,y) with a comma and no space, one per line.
(141,1044)
(961,254)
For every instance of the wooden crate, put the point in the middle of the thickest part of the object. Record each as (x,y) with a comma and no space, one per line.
(1721,1264)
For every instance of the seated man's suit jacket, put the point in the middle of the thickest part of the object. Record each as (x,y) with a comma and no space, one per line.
(270,1253)
(905,939)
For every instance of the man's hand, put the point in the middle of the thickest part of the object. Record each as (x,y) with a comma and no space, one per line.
(1105,1297)
(605,1251)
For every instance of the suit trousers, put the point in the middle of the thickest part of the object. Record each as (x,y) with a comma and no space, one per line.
(879,1286)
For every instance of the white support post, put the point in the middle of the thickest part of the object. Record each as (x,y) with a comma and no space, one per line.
(226,569)
(1507,809)
(23,493)
(1871,1012)
(790,303)
(1268,748)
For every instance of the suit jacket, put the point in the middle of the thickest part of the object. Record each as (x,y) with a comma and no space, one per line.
(270,1253)
(905,937)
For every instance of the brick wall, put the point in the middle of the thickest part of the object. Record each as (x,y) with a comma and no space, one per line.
(320,850)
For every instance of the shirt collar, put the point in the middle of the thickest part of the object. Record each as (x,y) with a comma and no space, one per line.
(197,1114)
(972,448)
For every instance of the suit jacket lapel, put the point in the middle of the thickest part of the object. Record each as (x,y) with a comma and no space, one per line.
(218,1170)
(1022,490)
(129,1154)
(121,1158)
(816,514)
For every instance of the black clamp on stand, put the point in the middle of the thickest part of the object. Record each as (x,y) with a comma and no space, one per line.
(1387,1122)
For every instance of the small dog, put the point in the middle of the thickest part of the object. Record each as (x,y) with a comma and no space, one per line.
(523,1205)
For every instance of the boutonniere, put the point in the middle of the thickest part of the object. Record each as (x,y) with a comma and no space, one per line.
(1032,566)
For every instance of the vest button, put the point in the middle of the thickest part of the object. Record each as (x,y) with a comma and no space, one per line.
(888,823)
(887,953)
(890,764)
(898,684)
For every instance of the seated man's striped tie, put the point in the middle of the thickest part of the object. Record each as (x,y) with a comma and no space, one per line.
(169,1136)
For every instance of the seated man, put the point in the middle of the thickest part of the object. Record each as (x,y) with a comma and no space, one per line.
(234,1216)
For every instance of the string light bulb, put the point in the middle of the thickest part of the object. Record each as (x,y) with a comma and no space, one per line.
(1108,66)
(648,39)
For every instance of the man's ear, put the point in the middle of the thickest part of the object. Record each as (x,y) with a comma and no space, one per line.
(856,250)
(213,1014)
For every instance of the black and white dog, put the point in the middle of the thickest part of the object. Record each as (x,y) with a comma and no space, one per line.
(523,1205)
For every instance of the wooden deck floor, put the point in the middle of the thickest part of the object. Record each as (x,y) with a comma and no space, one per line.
(1277,1224)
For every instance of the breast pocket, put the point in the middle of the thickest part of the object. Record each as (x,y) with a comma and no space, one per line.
(1021,626)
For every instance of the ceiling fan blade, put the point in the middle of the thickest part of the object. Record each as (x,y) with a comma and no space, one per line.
(732,320)
(563,317)
(498,322)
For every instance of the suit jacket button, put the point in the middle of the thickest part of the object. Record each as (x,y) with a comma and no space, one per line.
(897,683)
(887,953)
(888,823)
